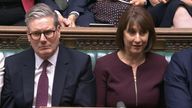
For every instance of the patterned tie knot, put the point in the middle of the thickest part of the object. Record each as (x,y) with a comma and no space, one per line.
(45,64)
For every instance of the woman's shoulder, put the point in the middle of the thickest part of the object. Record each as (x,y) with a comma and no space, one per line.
(108,58)
(106,62)
(156,57)
(157,61)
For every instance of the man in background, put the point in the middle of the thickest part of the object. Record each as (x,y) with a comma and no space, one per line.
(75,11)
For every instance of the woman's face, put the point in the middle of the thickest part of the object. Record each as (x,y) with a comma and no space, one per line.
(135,39)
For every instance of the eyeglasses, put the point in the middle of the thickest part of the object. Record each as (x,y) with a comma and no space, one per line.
(37,35)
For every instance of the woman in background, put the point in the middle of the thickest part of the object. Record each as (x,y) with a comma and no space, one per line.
(132,75)
(110,11)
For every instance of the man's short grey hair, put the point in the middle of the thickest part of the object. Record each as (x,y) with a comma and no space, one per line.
(41,10)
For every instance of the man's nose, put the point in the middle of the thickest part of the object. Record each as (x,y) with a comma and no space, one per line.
(43,37)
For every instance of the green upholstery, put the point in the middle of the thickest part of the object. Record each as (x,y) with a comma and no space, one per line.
(99,53)
(94,54)
(167,54)
(8,52)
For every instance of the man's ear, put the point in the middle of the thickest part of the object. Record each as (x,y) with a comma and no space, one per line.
(27,34)
(59,28)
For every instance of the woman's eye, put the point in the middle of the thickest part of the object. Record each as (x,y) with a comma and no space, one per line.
(132,32)
(142,33)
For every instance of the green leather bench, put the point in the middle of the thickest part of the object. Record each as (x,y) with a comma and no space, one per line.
(94,54)
(99,53)
(96,41)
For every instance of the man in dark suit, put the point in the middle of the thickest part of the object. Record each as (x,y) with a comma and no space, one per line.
(76,12)
(178,80)
(66,73)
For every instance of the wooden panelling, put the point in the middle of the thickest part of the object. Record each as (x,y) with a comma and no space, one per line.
(93,38)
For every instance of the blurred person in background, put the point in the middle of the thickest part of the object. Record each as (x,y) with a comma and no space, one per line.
(72,12)
(172,13)
(12,12)
(110,11)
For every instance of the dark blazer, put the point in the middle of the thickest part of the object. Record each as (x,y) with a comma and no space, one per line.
(74,83)
(80,6)
(178,80)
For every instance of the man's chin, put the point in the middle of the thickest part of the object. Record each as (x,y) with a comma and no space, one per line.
(45,53)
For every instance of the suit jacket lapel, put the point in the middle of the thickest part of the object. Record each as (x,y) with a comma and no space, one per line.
(60,76)
(28,76)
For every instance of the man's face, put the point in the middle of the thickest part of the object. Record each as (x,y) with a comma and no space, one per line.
(43,36)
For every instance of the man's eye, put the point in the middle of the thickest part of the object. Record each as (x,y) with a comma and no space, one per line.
(48,32)
(36,34)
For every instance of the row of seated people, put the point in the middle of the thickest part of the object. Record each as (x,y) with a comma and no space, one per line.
(165,13)
(49,74)
(71,9)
